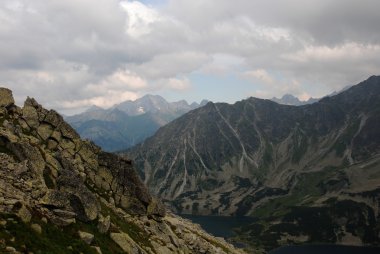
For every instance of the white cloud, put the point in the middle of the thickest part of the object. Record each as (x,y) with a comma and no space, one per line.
(259,74)
(348,51)
(223,64)
(105,101)
(178,84)
(171,65)
(120,80)
(140,18)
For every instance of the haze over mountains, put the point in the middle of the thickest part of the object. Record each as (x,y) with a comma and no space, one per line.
(128,123)
(281,163)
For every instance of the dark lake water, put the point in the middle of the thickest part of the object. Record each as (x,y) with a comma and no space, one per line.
(222,226)
(325,249)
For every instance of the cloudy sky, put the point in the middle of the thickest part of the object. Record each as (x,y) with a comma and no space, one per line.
(75,53)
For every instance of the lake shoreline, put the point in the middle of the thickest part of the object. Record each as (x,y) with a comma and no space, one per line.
(223,226)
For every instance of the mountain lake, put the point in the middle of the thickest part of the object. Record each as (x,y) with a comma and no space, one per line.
(222,226)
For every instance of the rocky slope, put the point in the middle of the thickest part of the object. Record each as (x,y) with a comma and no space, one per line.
(128,123)
(277,162)
(61,194)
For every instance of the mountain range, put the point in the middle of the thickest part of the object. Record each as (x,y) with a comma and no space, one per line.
(128,123)
(308,173)
(289,99)
(60,194)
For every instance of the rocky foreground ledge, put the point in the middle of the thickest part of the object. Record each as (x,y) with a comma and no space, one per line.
(61,194)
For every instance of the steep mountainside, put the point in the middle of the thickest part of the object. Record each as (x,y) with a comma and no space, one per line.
(60,194)
(128,123)
(280,163)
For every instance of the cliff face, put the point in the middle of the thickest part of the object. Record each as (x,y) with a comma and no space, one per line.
(61,194)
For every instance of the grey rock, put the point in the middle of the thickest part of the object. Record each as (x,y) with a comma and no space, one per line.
(104,224)
(67,131)
(55,199)
(126,243)
(156,208)
(30,115)
(45,131)
(24,151)
(10,249)
(64,213)
(53,118)
(36,228)
(97,248)
(6,97)
(82,201)
(86,237)
(24,214)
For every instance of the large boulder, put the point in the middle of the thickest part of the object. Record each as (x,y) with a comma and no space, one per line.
(86,237)
(30,115)
(130,192)
(156,208)
(53,118)
(126,243)
(83,202)
(24,151)
(6,97)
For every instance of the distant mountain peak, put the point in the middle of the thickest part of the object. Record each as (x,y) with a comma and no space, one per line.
(94,108)
(151,97)
(128,123)
(289,99)
(204,102)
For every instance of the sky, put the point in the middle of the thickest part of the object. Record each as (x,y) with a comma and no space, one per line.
(72,54)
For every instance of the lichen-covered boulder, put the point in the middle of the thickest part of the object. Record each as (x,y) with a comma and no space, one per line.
(126,243)
(6,97)
(25,151)
(130,192)
(83,202)
(44,131)
(156,208)
(30,115)
(53,118)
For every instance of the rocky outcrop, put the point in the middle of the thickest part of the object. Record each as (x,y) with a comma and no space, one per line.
(67,192)
(6,98)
